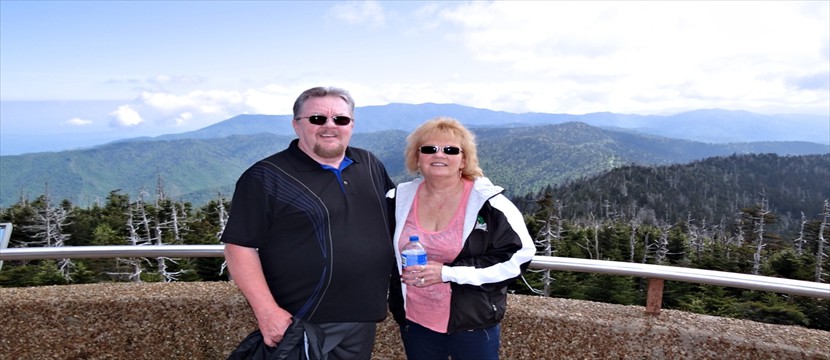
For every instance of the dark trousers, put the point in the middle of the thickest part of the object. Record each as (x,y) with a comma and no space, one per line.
(421,343)
(347,341)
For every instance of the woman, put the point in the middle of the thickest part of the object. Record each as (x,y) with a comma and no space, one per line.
(477,244)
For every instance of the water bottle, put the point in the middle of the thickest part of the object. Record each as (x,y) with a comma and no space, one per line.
(413,253)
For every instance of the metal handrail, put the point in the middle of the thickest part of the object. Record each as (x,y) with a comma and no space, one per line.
(112,251)
(710,277)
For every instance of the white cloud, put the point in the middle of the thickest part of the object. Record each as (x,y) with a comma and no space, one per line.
(559,57)
(125,116)
(184,118)
(608,56)
(272,99)
(369,13)
(200,101)
(77,122)
(196,109)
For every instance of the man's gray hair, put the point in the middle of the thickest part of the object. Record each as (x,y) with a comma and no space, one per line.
(322,92)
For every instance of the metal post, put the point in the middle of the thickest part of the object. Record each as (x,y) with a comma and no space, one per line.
(654,297)
(5,234)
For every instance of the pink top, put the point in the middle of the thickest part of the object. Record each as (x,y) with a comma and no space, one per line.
(430,306)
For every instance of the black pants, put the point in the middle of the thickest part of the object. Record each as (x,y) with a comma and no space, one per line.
(347,341)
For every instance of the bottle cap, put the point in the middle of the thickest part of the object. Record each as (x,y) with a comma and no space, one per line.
(413,238)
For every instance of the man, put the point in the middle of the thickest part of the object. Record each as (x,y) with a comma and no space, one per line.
(308,233)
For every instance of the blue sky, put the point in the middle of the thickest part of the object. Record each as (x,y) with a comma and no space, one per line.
(79,73)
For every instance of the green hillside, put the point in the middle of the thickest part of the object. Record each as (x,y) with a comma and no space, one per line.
(522,159)
(711,191)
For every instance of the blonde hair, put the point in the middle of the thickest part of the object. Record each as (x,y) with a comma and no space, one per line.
(443,125)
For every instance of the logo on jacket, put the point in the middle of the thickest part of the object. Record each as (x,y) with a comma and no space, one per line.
(480,224)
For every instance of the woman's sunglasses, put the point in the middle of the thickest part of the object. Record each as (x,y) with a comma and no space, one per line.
(448,150)
(320,120)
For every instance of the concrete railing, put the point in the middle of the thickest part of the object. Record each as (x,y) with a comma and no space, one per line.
(207,320)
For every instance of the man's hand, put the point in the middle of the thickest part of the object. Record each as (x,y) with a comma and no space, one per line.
(273,325)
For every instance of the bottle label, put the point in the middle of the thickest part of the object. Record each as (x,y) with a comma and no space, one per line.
(413,259)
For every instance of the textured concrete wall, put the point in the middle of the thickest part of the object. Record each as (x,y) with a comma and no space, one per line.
(207,321)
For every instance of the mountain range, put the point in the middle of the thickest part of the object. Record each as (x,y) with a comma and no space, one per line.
(522,152)
(708,126)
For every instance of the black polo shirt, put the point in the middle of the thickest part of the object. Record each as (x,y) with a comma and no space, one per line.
(325,245)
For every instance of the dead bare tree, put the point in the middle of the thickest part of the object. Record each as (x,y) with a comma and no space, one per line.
(176,226)
(592,245)
(548,236)
(662,245)
(695,240)
(821,255)
(164,216)
(144,223)
(720,235)
(223,221)
(632,239)
(47,229)
(223,216)
(134,239)
(799,242)
(740,237)
(759,220)
(161,195)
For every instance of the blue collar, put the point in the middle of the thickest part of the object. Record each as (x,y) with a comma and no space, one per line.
(337,171)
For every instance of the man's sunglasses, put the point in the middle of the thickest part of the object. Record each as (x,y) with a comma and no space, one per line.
(448,150)
(321,120)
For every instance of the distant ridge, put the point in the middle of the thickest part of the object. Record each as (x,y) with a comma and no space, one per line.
(706,125)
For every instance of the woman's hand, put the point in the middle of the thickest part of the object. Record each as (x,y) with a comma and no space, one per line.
(422,275)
